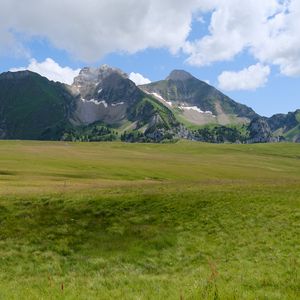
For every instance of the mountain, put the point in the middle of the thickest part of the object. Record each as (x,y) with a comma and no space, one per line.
(103,94)
(197,103)
(286,125)
(104,104)
(106,94)
(32,107)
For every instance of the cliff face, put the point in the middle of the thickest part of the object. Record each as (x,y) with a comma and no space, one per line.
(260,132)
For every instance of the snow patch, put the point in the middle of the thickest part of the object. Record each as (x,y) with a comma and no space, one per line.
(99,91)
(196,108)
(102,102)
(161,98)
(117,104)
(95,102)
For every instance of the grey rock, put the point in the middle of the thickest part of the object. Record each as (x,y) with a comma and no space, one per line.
(260,132)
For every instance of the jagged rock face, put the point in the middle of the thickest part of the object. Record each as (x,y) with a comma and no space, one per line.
(104,94)
(155,122)
(260,131)
(107,95)
(286,122)
(89,79)
(286,126)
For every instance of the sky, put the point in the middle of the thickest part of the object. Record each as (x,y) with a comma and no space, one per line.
(249,49)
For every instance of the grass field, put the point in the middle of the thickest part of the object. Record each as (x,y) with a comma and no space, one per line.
(142,221)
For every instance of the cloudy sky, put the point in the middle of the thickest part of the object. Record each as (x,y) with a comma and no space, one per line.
(250,49)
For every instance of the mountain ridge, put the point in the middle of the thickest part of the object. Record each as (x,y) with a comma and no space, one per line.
(32,107)
(188,94)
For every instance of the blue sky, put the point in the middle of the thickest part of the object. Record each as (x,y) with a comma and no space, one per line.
(255,62)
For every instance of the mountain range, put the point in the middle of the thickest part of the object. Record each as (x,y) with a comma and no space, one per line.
(104,104)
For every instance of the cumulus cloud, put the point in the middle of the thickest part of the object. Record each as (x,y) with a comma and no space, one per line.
(281,46)
(50,69)
(90,29)
(250,78)
(267,30)
(233,27)
(138,78)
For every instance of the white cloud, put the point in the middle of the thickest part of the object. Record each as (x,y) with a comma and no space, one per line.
(90,29)
(234,27)
(281,46)
(51,69)
(268,29)
(250,78)
(138,78)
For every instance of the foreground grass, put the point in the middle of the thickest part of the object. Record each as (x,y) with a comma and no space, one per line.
(118,221)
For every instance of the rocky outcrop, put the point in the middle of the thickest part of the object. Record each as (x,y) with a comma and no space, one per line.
(260,132)
(284,121)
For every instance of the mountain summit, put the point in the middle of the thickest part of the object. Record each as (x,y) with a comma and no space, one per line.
(103,94)
(107,95)
(89,78)
(179,75)
(199,103)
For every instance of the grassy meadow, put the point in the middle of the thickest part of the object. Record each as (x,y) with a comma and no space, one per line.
(149,221)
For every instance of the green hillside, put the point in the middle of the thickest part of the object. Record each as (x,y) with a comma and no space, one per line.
(149,221)
(144,111)
(32,107)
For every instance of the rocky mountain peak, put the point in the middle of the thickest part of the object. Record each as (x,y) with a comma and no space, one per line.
(179,75)
(90,80)
(94,76)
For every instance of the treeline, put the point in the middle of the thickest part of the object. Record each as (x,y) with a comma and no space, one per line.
(155,136)
(90,133)
(210,134)
(221,134)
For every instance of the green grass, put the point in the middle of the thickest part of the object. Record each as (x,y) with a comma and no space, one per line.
(298,116)
(146,221)
(290,135)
